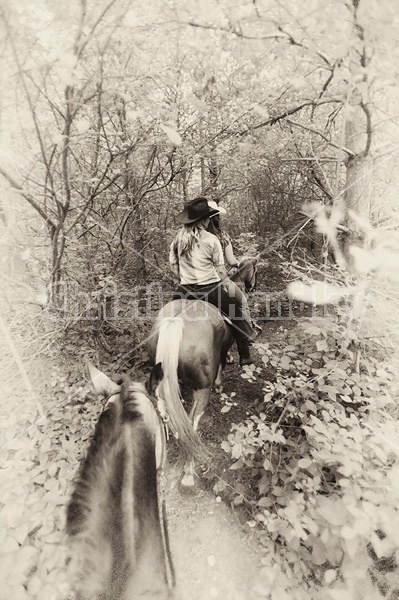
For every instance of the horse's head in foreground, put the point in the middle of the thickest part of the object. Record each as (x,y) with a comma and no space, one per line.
(115,518)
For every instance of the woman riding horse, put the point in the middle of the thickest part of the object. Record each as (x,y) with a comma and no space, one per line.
(196,259)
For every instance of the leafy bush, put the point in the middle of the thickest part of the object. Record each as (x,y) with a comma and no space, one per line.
(39,457)
(246,244)
(322,456)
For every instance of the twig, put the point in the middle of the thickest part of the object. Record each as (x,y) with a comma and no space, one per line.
(19,364)
(321,134)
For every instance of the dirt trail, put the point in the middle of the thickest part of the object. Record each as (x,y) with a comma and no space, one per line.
(215,556)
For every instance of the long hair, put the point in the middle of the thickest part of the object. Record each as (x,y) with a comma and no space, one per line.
(187,236)
(214,225)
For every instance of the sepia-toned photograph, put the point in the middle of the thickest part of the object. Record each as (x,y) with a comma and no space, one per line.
(199,300)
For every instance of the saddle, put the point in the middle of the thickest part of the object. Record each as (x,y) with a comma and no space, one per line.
(199,295)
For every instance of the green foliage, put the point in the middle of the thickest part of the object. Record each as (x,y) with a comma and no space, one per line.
(321,454)
(39,457)
(246,244)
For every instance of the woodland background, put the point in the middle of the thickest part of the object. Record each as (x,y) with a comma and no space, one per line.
(112,115)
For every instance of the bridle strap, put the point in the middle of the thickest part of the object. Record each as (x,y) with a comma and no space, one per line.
(108,398)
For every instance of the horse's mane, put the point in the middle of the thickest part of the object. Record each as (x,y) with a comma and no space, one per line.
(103,489)
(247,261)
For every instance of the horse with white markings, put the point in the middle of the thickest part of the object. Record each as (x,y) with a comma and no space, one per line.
(191,339)
(116,517)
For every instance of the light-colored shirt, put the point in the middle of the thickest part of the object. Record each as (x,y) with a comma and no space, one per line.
(198,266)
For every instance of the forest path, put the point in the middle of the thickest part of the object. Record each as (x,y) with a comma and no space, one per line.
(216,553)
(214,556)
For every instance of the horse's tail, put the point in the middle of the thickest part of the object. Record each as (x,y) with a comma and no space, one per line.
(170,336)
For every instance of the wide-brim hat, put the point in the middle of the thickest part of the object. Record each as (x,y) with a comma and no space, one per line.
(197,209)
(220,209)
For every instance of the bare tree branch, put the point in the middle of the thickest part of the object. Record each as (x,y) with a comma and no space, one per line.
(237,31)
(81,42)
(321,134)
(280,34)
(291,111)
(15,185)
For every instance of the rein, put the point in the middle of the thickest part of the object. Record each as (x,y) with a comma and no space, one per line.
(238,271)
(107,399)
(163,415)
(161,489)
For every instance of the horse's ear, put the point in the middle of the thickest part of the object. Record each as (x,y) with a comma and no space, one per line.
(102,383)
(154,379)
(257,258)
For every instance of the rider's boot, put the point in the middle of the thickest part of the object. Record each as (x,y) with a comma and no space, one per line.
(244,351)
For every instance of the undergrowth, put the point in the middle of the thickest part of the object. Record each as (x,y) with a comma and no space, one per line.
(318,459)
(320,454)
(43,431)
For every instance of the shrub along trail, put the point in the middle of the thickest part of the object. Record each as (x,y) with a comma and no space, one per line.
(301,501)
(40,450)
(44,434)
(315,459)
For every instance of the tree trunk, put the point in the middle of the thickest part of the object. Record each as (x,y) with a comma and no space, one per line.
(358,134)
(213,173)
(358,187)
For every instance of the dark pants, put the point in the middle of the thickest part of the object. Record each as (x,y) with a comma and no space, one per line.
(215,294)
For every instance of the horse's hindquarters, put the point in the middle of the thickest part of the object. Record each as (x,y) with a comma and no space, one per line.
(203,343)
(189,340)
